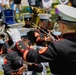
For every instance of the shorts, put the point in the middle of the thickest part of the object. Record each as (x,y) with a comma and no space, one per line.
(17,1)
(17,6)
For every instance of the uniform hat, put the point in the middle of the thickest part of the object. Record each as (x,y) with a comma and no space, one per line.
(16,25)
(27,16)
(66,13)
(24,31)
(44,16)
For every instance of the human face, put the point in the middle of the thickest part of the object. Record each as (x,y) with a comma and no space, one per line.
(43,24)
(61,26)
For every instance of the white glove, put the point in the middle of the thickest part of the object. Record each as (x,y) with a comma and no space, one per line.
(14,34)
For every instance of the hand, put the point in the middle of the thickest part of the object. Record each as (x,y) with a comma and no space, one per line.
(14,34)
(47,8)
(48,39)
(22,69)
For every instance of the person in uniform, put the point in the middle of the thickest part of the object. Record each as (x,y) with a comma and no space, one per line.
(61,54)
(16,65)
(28,25)
(37,67)
(27,20)
(40,34)
(3,47)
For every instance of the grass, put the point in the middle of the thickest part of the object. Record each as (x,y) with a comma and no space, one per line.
(25,10)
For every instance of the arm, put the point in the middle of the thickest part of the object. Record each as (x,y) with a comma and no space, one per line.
(13,65)
(41,55)
(35,67)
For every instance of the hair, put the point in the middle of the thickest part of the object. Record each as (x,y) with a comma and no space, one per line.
(70,25)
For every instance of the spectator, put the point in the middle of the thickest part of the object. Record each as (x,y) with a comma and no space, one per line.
(17,4)
(6,4)
(47,4)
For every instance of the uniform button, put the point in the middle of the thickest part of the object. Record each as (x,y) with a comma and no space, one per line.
(17,43)
(22,49)
(20,46)
(15,73)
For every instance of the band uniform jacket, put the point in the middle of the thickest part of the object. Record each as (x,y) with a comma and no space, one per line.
(61,55)
(15,61)
(39,36)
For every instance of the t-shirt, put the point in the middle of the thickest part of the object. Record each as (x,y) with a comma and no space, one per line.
(17,1)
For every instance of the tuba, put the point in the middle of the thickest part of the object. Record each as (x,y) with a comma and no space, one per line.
(36,11)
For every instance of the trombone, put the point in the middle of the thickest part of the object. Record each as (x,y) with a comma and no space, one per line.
(44,31)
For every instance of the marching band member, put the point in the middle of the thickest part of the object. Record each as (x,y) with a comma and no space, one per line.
(40,34)
(27,20)
(16,65)
(34,66)
(61,54)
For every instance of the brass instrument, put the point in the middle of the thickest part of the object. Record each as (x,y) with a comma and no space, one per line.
(44,32)
(36,11)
